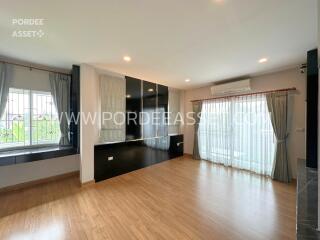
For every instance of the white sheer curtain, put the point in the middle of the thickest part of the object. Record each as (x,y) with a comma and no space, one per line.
(237,132)
(174,110)
(113,103)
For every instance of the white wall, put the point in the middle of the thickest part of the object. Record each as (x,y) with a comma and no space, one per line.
(89,133)
(283,79)
(25,172)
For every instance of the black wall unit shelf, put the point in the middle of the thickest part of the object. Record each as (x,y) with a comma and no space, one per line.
(146,97)
(147,142)
(133,108)
(162,107)
(312,109)
(114,159)
(149,106)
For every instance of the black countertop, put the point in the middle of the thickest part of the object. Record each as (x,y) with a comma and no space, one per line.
(139,139)
(12,157)
(307,202)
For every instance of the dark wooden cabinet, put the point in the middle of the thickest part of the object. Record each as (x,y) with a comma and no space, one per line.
(176,146)
(143,100)
(118,158)
(147,142)
(162,109)
(149,108)
(133,108)
(312,110)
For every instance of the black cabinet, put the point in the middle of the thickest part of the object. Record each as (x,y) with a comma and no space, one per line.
(312,110)
(162,110)
(149,109)
(133,108)
(147,141)
(118,158)
(146,109)
(176,146)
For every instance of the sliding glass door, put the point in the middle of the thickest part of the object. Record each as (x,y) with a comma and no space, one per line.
(237,132)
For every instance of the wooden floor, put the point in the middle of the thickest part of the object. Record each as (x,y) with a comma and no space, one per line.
(177,199)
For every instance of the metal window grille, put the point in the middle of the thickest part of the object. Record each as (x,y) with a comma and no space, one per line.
(30,119)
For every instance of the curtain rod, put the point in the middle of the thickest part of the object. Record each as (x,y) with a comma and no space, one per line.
(247,94)
(31,67)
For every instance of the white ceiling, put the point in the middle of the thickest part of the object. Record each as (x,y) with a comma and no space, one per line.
(168,40)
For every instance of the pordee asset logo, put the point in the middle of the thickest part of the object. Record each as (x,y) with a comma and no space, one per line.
(30,24)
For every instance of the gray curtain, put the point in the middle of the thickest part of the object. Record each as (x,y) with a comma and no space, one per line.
(4,88)
(197,107)
(278,109)
(60,90)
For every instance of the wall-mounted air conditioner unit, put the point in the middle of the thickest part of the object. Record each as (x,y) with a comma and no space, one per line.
(241,86)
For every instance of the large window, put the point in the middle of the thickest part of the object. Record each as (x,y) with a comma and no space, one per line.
(238,132)
(30,119)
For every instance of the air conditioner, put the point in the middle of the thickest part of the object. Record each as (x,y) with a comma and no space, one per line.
(231,88)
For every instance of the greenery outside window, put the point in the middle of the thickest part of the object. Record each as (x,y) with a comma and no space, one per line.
(30,119)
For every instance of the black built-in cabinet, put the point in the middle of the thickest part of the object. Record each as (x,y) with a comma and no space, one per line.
(162,109)
(114,159)
(312,109)
(133,108)
(151,100)
(149,107)
(147,142)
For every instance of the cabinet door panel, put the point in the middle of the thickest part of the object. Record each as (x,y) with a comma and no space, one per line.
(149,109)
(133,108)
(162,109)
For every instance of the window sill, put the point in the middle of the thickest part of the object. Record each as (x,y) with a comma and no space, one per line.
(35,154)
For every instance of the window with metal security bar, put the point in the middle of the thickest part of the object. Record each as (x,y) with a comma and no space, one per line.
(30,119)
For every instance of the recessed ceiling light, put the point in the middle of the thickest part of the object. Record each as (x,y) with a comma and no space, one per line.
(263,60)
(128,96)
(127,58)
(187,80)
(150,90)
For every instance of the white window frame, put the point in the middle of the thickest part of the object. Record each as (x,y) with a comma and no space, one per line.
(31,145)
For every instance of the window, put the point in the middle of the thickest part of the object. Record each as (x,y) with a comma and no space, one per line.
(30,119)
(238,132)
